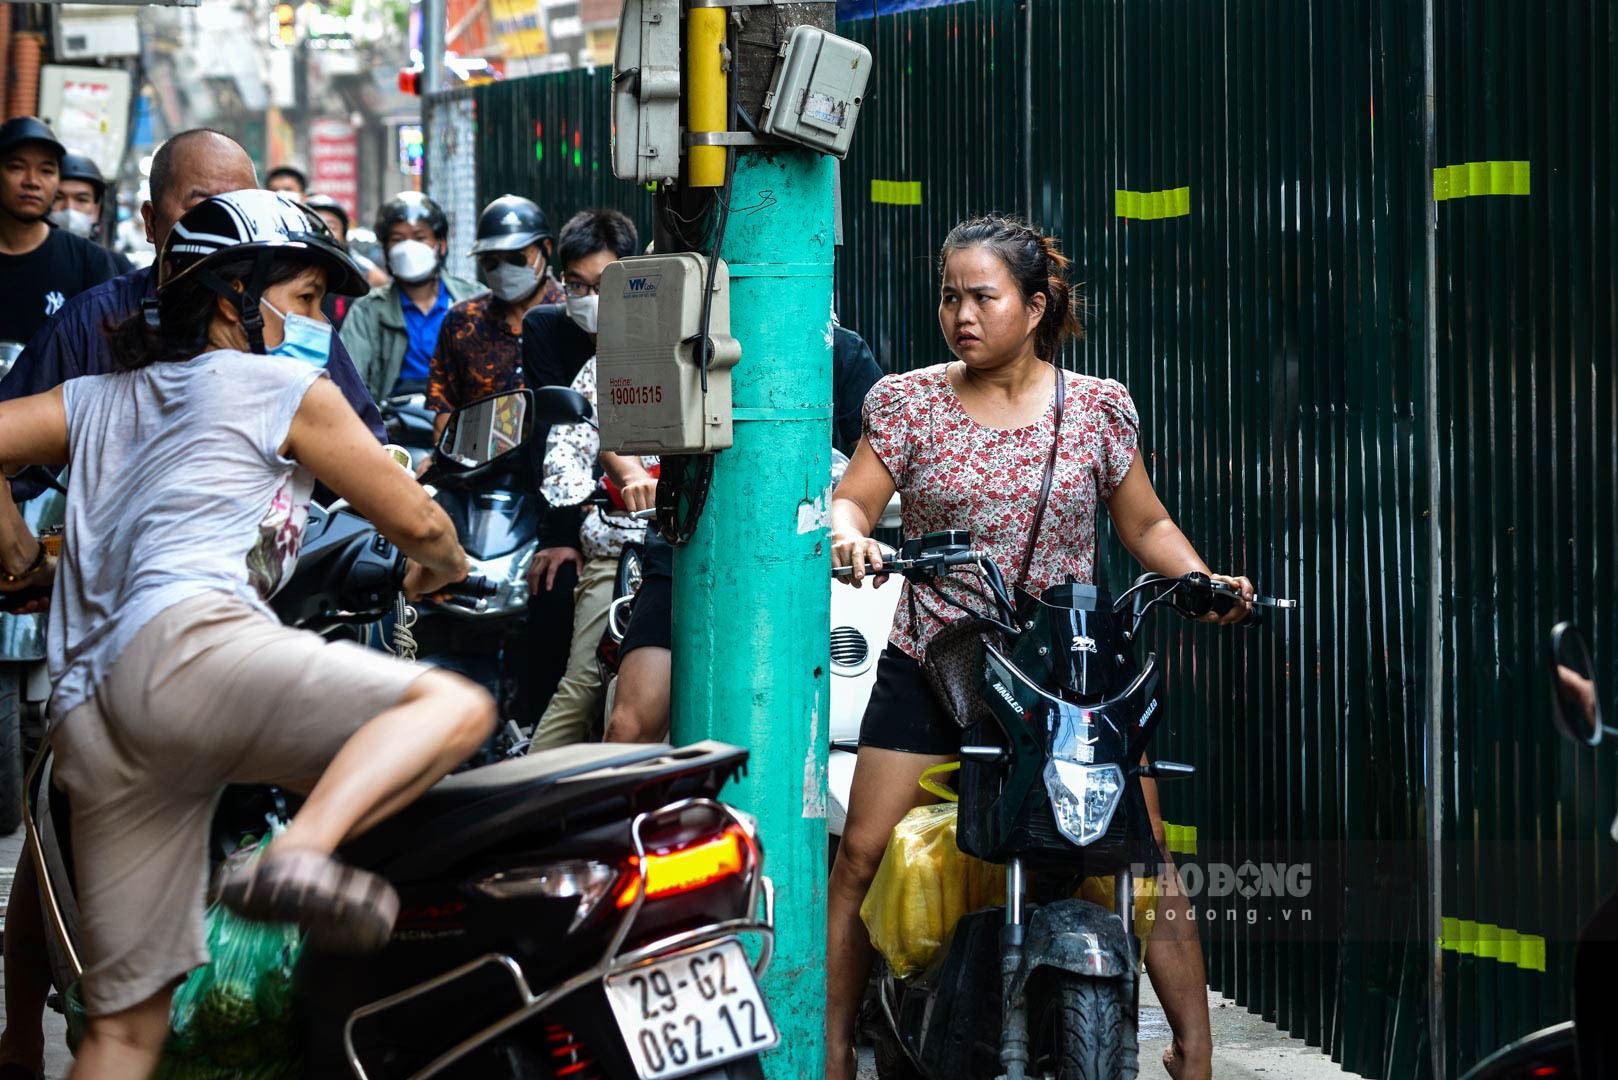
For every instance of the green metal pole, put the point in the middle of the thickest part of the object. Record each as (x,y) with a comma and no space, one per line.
(751,590)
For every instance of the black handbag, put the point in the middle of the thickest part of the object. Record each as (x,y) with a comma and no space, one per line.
(953,662)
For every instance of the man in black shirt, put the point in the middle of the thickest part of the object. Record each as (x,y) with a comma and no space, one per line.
(41,267)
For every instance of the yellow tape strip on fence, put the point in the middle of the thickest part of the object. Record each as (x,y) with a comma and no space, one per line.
(1492,942)
(1182,839)
(1480,178)
(1152,205)
(896,192)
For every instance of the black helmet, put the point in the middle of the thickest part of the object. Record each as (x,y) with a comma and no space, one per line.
(411,207)
(253,222)
(510,223)
(81,167)
(27,129)
(330,206)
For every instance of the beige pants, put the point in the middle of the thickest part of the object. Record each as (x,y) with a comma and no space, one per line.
(577,702)
(209,692)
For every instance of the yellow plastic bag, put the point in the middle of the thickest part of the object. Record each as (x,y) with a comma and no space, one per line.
(926,883)
(924,886)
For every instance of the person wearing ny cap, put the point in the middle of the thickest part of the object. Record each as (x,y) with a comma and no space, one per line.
(41,268)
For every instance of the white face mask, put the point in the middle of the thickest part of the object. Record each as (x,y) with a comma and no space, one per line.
(76,222)
(512,283)
(583,310)
(412,261)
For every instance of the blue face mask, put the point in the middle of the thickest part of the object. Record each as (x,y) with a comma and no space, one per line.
(302,338)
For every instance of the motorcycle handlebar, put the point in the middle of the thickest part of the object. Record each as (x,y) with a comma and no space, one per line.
(474,587)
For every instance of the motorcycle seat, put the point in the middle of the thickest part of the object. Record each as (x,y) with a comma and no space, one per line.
(466,812)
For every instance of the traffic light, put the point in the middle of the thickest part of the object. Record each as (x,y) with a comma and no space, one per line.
(410,81)
(286,25)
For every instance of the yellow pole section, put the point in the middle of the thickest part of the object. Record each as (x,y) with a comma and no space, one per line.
(707,95)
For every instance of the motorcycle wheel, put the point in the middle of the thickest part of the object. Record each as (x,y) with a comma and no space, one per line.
(1094,1038)
(10,748)
(891,1062)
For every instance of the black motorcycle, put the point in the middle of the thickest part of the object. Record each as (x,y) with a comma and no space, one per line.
(574,913)
(1049,786)
(496,512)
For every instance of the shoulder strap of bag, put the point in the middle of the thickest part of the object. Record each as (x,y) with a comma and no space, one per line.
(1045,483)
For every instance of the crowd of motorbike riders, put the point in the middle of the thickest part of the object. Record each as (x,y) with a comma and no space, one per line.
(200,401)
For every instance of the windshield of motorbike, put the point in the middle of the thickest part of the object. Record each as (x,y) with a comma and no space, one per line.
(491,523)
(1085,654)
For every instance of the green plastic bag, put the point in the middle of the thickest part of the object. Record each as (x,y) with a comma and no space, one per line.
(232,1017)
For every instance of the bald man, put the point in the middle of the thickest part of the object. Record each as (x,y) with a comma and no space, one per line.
(188,168)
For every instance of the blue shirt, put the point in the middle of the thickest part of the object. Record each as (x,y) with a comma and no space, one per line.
(71,343)
(421,334)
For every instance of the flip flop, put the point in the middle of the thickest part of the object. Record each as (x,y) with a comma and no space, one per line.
(345,909)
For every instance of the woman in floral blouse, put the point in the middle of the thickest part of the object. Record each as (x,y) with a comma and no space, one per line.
(965,444)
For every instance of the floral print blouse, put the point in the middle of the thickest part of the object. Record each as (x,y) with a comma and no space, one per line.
(954,473)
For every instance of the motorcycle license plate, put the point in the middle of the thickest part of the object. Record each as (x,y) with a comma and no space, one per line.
(690,1012)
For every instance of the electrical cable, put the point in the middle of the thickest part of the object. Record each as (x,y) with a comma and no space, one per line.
(684,480)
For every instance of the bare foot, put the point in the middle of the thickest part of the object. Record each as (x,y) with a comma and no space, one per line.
(1187,1066)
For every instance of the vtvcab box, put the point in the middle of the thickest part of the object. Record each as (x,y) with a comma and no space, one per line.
(649,378)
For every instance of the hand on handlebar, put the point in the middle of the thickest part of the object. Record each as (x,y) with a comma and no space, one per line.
(640,493)
(1238,607)
(419,581)
(861,553)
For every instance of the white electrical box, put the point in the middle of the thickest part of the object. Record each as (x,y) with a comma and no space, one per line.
(649,397)
(646,92)
(815,97)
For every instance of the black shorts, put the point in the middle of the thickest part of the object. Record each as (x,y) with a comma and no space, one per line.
(903,714)
(652,620)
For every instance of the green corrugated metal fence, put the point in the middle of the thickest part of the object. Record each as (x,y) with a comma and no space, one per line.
(1245,190)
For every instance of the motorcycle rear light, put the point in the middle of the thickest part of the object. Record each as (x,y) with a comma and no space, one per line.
(681,870)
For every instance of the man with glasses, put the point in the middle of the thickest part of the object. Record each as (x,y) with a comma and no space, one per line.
(557,341)
(479,349)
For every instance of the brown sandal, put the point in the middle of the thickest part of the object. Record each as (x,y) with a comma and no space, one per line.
(344,908)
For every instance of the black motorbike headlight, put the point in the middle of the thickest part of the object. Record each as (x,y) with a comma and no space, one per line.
(587,881)
(1083,798)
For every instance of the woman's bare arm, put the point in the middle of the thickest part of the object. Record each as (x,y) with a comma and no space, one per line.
(1146,529)
(856,506)
(334,444)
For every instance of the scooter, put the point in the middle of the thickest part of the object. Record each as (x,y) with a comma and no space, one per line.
(1570,1049)
(575,913)
(496,515)
(1049,786)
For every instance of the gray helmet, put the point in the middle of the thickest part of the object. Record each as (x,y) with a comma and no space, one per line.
(510,223)
(28,129)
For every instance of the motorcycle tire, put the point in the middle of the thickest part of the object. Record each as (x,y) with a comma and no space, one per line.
(11,750)
(891,1061)
(1095,1040)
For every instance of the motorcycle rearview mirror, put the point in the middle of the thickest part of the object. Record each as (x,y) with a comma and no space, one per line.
(1575,697)
(490,428)
(559,405)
